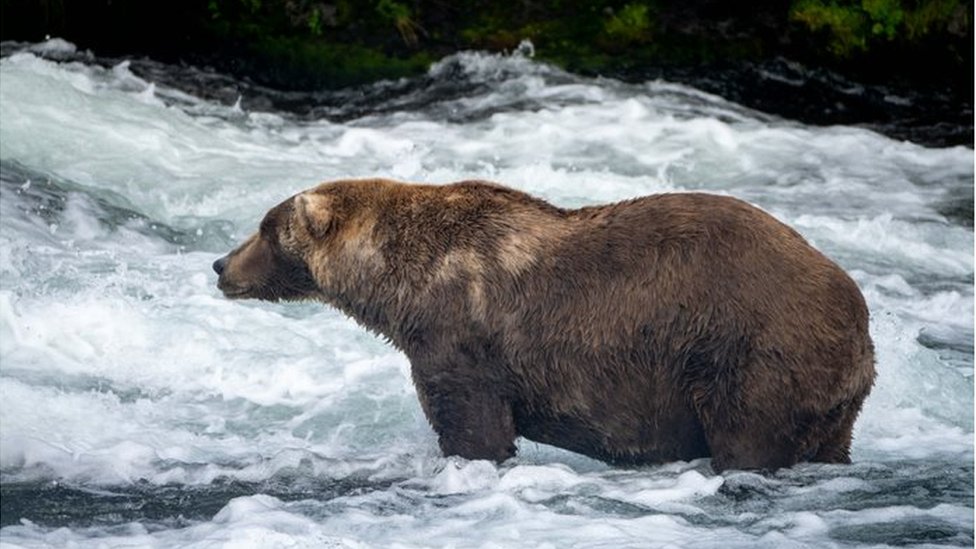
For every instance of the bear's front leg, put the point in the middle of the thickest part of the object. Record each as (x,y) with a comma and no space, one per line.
(471,422)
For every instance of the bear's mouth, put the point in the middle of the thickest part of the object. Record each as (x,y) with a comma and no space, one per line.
(234,292)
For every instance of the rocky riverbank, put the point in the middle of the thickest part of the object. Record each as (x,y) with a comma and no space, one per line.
(900,67)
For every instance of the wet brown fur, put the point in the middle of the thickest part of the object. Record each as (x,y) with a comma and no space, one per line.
(668,327)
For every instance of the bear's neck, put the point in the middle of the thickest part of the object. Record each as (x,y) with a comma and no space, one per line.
(383,295)
(417,265)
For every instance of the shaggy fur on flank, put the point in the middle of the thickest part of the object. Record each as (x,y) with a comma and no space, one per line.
(668,327)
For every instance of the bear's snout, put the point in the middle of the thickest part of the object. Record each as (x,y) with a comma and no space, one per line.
(220,264)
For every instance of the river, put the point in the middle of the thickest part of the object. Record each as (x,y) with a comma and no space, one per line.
(138,407)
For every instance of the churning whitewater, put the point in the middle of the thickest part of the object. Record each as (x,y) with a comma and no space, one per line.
(139,407)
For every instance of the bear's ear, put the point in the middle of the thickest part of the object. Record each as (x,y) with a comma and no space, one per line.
(313,213)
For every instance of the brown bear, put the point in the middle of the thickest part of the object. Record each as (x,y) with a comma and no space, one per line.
(669,327)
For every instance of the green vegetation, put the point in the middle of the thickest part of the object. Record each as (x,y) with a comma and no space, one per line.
(402,18)
(314,44)
(631,24)
(289,59)
(858,25)
(331,43)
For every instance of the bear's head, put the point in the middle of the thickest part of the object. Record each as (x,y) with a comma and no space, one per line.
(274,263)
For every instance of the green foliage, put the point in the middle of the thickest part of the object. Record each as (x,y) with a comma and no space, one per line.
(333,64)
(630,24)
(936,14)
(393,10)
(253,6)
(314,23)
(885,16)
(845,24)
(402,18)
(853,25)
(327,42)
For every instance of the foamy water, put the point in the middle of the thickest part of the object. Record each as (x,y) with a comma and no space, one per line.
(140,408)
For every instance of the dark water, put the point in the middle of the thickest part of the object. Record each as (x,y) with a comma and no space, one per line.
(745,501)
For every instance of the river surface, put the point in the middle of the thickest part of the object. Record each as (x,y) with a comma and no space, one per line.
(138,407)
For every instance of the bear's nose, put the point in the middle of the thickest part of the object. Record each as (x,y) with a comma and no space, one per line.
(218,266)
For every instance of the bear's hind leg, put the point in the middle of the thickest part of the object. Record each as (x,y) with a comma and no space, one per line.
(470,423)
(834,445)
(749,447)
(776,437)
(745,420)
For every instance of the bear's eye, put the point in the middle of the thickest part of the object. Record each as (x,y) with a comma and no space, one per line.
(277,236)
(269,227)
(266,230)
(275,223)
